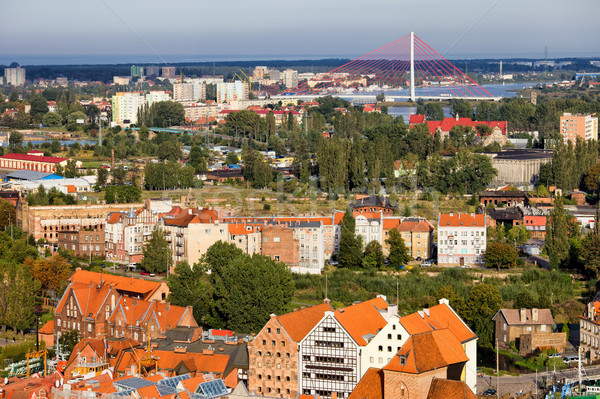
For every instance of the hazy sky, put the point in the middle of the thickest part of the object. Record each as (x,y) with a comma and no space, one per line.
(326,28)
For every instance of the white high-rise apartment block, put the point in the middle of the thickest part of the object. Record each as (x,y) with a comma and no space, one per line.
(183,92)
(157,96)
(235,91)
(125,107)
(14,76)
(290,78)
(462,239)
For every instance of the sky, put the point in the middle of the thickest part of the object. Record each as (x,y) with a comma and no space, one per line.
(155,31)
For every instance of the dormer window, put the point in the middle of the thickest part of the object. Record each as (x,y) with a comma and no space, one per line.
(402,359)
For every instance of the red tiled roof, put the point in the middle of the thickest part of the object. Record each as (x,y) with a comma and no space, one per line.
(362,318)
(299,323)
(129,284)
(428,351)
(370,385)
(238,229)
(47,328)
(389,224)
(449,389)
(448,123)
(33,158)
(437,317)
(461,219)
(416,119)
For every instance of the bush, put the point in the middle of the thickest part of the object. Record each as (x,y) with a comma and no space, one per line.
(267,207)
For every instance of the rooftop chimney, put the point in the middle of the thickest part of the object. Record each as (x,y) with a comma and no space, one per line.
(534,314)
(523,315)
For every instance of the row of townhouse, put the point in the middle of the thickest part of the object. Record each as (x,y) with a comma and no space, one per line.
(103,305)
(304,243)
(319,351)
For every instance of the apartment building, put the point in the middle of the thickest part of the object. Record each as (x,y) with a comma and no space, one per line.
(273,353)
(573,126)
(183,92)
(462,239)
(128,231)
(589,327)
(14,76)
(125,107)
(234,91)
(83,242)
(290,78)
(246,237)
(190,232)
(157,96)
(417,234)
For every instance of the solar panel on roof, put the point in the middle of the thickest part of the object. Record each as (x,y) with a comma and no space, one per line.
(126,393)
(212,389)
(173,381)
(132,383)
(165,390)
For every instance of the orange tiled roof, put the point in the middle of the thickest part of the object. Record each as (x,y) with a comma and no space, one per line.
(462,219)
(114,217)
(437,317)
(149,392)
(299,323)
(370,385)
(428,351)
(47,328)
(139,311)
(448,389)
(362,319)
(238,229)
(129,284)
(389,224)
(192,383)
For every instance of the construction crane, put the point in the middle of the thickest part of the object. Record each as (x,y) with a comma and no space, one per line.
(244,78)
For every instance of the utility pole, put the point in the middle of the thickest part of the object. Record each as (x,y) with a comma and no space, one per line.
(412,66)
(497,371)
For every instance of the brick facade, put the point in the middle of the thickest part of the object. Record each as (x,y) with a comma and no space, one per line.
(273,359)
(528,343)
(83,242)
(410,386)
(280,244)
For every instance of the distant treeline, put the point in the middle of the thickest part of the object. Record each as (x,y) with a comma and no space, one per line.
(106,72)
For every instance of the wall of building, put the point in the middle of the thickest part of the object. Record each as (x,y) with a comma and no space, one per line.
(528,343)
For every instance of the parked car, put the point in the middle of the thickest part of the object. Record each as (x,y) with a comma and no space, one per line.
(555,356)
(143,273)
(489,392)
(426,263)
(571,359)
(418,258)
(152,274)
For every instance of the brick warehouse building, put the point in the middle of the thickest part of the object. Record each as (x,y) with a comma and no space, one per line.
(84,242)
(273,354)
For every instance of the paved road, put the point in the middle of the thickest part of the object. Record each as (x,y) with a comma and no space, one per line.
(526,382)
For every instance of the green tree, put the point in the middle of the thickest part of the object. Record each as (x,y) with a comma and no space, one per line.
(373,256)
(166,113)
(350,249)
(15,140)
(158,257)
(7,215)
(190,287)
(75,116)
(198,158)
(67,342)
(557,234)
(399,252)
(102,178)
(500,255)
(118,175)
(482,304)
(590,248)
(71,169)
(231,158)
(39,107)
(52,119)
(169,150)
(247,290)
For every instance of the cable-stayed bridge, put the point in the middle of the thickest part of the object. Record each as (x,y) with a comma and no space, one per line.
(407,68)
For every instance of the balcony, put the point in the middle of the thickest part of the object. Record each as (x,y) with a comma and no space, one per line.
(179,235)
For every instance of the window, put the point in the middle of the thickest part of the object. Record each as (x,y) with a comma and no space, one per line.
(90,328)
(268,354)
(276,239)
(264,342)
(269,330)
(266,239)
(380,348)
(389,348)
(328,329)
(288,379)
(278,331)
(399,337)
(273,343)
(389,336)
(259,353)
(260,376)
(282,343)
(287,354)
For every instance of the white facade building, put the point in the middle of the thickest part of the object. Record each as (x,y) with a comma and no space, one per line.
(125,107)
(462,239)
(14,76)
(235,91)
(290,78)
(157,96)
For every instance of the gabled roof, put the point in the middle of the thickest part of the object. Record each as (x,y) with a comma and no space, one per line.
(362,319)
(513,316)
(299,323)
(435,318)
(370,385)
(416,119)
(461,220)
(449,389)
(428,351)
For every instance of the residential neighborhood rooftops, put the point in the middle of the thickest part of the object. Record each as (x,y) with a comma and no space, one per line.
(363,318)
